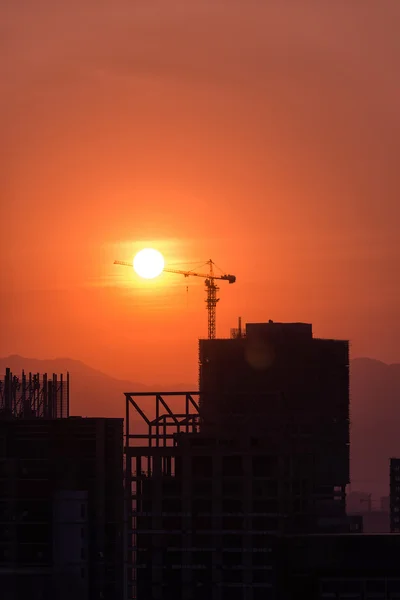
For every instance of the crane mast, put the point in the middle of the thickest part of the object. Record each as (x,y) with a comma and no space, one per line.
(211,290)
(211,302)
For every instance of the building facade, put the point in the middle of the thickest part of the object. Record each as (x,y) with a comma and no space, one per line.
(279,383)
(208,529)
(61,508)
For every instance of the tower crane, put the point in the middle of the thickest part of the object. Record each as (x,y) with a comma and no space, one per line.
(211,289)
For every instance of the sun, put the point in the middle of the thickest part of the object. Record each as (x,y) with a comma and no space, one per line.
(148,263)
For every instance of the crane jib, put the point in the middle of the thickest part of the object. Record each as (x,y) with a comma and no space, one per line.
(211,289)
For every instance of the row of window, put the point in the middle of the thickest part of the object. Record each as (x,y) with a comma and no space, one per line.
(234,465)
(230,541)
(205,565)
(151,515)
(174,574)
(201,591)
(172,506)
(355,586)
(206,522)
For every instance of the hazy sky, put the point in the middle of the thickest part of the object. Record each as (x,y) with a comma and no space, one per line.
(264,135)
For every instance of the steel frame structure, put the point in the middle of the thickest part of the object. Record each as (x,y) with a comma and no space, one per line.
(34,395)
(158,444)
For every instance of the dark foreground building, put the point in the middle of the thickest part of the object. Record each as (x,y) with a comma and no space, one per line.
(395,495)
(278,383)
(360,567)
(262,451)
(61,508)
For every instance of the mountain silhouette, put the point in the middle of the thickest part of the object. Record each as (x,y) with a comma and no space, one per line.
(374,408)
(374,415)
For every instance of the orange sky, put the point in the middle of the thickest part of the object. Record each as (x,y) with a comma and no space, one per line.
(266,138)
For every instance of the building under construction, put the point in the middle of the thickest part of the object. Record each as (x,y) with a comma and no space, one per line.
(261,449)
(278,383)
(61,496)
(34,395)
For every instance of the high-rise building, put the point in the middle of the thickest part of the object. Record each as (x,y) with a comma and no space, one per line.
(283,386)
(395,495)
(61,508)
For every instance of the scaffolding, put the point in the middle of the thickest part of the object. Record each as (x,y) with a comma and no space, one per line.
(34,395)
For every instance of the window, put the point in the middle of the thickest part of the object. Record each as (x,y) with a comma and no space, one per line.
(260,593)
(261,541)
(232,523)
(231,505)
(172,523)
(261,576)
(232,575)
(203,576)
(200,591)
(264,524)
(172,505)
(201,442)
(172,487)
(202,505)
(202,558)
(174,540)
(232,488)
(174,558)
(375,586)
(264,466)
(393,586)
(234,593)
(329,586)
(265,488)
(231,466)
(202,466)
(202,522)
(201,540)
(202,487)
(232,541)
(232,559)
(261,559)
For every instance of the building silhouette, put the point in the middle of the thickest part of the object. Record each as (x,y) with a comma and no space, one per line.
(61,506)
(340,566)
(289,390)
(261,451)
(395,495)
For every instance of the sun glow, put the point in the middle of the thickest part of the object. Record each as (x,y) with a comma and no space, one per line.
(148,263)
